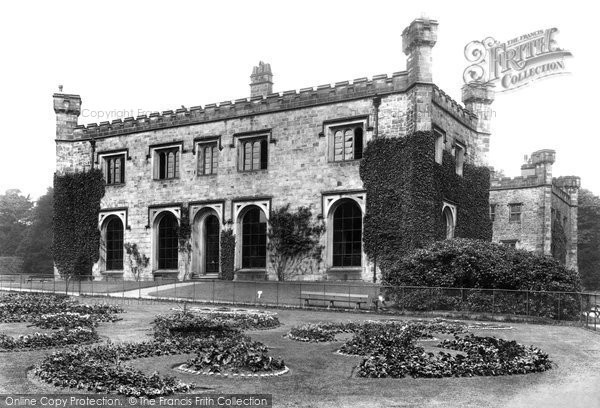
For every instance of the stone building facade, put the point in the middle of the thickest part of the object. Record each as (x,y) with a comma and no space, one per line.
(231,163)
(536,211)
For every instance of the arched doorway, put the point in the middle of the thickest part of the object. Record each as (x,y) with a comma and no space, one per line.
(167,245)
(347,235)
(206,235)
(254,239)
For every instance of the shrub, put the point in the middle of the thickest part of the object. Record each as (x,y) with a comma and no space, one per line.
(465,263)
(227,255)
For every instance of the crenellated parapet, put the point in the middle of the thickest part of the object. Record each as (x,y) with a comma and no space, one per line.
(505,183)
(360,88)
(461,113)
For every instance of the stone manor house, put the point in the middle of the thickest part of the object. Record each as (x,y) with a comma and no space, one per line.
(231,163)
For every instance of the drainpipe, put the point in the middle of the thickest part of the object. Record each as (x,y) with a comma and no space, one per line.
(376,103)
(93,146)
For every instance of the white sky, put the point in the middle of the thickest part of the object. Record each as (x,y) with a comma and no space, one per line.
(155,56)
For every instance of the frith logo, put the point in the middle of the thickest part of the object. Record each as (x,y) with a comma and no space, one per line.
(515,63)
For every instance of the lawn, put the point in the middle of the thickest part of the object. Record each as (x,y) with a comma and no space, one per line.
(320,378)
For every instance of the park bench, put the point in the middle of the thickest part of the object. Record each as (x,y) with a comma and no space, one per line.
(334,297)
(39,279)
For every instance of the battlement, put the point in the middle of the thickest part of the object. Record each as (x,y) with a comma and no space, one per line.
(503,183)
(454,108)
(359,88)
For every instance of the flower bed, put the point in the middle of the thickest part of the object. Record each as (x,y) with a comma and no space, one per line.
(64,320)
(100,369)
(185,323)
(234,355)
(391,351)
(217,340)
(28,307)
(59,338)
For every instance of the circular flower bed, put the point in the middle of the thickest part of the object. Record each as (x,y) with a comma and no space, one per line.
(74,322)
(391,351)
(217,340)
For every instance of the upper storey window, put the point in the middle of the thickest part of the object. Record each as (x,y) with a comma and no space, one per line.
(113,167)
(208,158)
(166,161)
(440,140)
(346,139)
(347,142)
(515,210)
(459,156)
(253,153)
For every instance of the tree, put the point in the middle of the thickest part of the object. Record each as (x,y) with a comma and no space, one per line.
(588,247)
(36,246)
(137,262)
(293,240)
(14,209)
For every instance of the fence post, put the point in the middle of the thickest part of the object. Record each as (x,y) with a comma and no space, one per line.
(213,291)
(233,292)
(527,303)
(194,292)
(300,295)
(559,296)
(493,301)
(277,295)
(596,309)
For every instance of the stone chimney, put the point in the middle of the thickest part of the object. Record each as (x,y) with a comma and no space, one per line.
(417,41)
(67,108)
(261,80)
(478,98)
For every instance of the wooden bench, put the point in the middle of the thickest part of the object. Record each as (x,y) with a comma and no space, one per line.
(30,279)
(332,297)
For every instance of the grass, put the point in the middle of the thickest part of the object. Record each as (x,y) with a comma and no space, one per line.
(320,378)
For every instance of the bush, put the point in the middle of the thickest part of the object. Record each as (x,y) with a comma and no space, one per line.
(465,263)
(227,255)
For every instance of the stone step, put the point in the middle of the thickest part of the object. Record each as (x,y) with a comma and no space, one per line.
(208,276)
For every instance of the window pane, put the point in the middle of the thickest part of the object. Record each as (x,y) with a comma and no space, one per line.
(256,155)
(254,238)
(338,146)
(114,245)
(247,156)
(167,242)
(212,244)
(358,143)
(263,153)
(200,169)
(215,158)
(347,235)
(348,144)
(207,159)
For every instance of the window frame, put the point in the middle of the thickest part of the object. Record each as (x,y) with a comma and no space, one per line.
(200,147)
(493,208)
(241,141)
(103,157)
(460,155)
(512,243)
(154,154)
(440,143)
(511,214)
(354,123)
